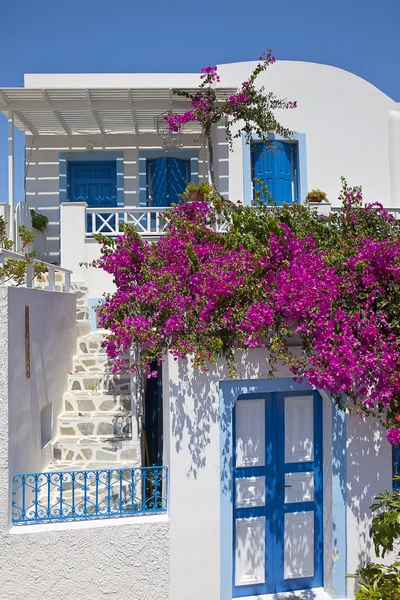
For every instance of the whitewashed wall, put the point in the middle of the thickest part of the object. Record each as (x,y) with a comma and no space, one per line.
(124,558)
(193,453)
(52,318)
(344,117)
(369,472)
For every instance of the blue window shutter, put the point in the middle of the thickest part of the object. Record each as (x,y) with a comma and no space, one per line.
(93,182)
(276,166)
(159,181)
(263,168)
(178,178)
(283,172)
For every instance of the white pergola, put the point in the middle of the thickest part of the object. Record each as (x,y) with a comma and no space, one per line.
(92,111)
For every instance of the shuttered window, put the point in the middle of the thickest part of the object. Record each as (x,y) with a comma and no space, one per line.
(276,166)
(166,179)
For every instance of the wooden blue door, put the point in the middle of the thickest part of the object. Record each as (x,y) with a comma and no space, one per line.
(96,184)
(166,179)
(276,167)
(278,493)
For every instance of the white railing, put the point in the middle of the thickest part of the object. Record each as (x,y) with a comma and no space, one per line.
(30,273)
(395,212)
(150,221)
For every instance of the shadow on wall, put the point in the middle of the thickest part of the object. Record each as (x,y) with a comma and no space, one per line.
(193,415)
(368,473)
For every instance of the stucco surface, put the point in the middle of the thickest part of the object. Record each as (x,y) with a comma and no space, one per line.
(128,562)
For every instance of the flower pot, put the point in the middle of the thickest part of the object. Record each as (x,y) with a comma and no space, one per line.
(196,196)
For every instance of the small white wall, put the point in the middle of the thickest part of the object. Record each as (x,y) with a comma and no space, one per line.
(192,451)
(369,472)
(52,329)
(123,558)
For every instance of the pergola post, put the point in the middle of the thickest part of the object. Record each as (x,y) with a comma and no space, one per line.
(11,230)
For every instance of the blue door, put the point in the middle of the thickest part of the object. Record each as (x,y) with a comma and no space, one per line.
(276,167)
(96,184)
(166,179)
(277,516)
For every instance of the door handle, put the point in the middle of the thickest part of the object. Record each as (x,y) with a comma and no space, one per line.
(284,486)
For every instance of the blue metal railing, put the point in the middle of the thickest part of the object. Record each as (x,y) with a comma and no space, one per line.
(396,466)
(91,494)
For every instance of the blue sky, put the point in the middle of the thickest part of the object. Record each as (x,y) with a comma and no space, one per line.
(49,36)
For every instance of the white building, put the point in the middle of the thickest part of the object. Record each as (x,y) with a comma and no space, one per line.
(268,483)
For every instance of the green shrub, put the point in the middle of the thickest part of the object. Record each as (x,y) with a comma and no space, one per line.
(377,581)
(39,221)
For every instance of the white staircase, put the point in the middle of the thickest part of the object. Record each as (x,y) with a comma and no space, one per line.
(94,430)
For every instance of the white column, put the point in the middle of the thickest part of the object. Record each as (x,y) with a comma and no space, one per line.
(11,173)
(73,233)
(394,158)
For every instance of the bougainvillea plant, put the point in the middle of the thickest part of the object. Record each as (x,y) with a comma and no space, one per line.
(333,282)
(249,110)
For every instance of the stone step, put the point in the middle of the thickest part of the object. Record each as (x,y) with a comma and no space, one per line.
(91,343)
(97,402)
(82,312)
(80,289)
(96,449)
(82,328)
(112,383)
(95,424)
(93,363)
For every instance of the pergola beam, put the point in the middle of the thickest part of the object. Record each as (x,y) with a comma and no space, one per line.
(96,115)
(133,113)
(56,113)
(72,105)
(3,98)
(27,123)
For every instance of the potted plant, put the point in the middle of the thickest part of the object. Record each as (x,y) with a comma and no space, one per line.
(198,193)
(318,199)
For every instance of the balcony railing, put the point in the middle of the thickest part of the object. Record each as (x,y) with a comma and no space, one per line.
(52,271)
(91,494)
(150,222)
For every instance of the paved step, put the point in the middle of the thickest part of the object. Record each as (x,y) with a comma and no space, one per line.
(91,343)
(112,383)
(93,363)
(97,402)
(96,449)
(74,424)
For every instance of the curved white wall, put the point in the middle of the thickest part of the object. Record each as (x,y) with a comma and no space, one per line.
(344,117)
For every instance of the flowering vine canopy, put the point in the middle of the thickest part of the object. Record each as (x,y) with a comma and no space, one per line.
(276,273)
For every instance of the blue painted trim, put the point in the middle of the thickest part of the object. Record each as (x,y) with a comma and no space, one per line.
(301,140)
(339,502)
(192,155)
(120,181)
(247,175)
(92,303)
(62,178)
(228,393)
